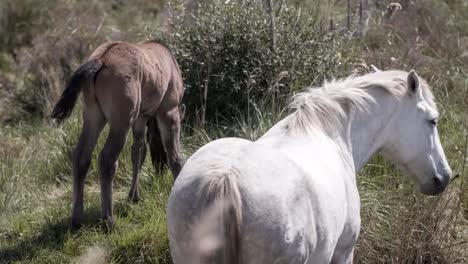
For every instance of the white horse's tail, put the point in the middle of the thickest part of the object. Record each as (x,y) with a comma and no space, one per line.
(217,235)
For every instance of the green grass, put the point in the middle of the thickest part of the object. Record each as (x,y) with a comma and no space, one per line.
(398,224)
(35,197)
(42,235)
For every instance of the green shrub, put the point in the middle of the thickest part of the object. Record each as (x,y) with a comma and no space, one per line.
(224,50)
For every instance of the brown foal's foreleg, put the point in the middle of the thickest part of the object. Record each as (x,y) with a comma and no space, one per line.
(92,127)
(158,154)
(169,125)
(108,162)
(138,156)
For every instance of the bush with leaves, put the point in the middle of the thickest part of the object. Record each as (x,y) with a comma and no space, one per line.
(224,50)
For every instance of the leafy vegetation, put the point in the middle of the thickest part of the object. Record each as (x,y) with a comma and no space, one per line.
(225,52)
(224,49)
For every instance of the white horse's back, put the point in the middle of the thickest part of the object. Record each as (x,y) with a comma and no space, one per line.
(280,192)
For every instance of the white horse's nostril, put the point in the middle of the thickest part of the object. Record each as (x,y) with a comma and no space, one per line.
(437,181)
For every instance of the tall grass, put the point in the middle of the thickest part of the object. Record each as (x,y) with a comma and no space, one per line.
(225,47)
(398,225)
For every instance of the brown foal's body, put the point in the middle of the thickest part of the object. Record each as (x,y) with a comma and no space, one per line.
(124,85)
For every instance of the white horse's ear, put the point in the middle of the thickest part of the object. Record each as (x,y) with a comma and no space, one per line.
(413,82)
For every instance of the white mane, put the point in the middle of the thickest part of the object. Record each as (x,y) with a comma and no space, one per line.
(325,107)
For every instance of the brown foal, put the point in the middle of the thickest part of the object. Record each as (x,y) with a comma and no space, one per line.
(125,85)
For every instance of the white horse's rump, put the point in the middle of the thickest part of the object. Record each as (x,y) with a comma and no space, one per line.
(291,196)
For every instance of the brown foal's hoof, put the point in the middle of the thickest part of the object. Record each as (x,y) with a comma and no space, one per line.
(75,224)
(108,225)
(134,197)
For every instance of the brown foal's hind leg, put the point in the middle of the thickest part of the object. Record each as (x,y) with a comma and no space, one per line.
(108,162)
(169,125)
(138,156)
(92,126)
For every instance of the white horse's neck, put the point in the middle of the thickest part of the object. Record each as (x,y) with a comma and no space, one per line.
(367,131)
(362,135)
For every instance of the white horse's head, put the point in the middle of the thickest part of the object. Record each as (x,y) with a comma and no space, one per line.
(413,143)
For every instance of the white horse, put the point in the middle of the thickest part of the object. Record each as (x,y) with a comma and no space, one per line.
(291,196)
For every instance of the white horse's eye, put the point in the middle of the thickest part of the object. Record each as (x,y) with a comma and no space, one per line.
(433,122)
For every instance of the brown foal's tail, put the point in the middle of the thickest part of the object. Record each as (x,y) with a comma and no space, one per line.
(83,75)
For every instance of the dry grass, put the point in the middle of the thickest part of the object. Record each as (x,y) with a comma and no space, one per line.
(94,255)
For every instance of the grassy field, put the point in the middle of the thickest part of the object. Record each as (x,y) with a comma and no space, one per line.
(398,224)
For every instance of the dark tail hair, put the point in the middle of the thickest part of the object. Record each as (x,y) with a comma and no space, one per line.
(83,75)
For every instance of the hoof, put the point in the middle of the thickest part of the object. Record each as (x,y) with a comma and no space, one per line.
(75,224)
(134,197)
(108,225)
